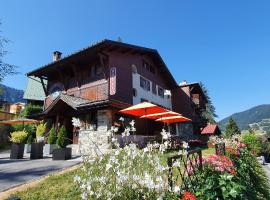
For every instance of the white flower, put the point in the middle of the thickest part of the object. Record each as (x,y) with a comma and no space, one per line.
(185,145)
(84,195)
(132,123)
(108,166)
(77,178)
(176,189)
(121,119)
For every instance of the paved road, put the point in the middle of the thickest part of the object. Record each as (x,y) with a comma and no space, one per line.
(17,172)
(267,170)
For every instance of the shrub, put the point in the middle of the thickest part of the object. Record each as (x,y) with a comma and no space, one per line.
(62,141)
(251,175)
(18,137)
(52,136)
(253,143)
(41,128)
(218,179)
(30,139)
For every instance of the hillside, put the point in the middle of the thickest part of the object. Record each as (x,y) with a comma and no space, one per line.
(255,116)
(10,94)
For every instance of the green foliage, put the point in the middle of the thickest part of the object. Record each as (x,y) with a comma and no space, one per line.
(62,141)
(251,176)
(30,139)
(52,136)
(29,128)
(253,143)
(18,136)
(31,109)
(210,112)
(232,128)
(41,128)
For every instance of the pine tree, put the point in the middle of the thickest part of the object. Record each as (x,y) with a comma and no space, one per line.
(62,137)
(210,111)
(232,128)
(52,136)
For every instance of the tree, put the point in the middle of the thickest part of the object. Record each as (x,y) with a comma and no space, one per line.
(209,113)
(52,136)
(232,128)
(62,141)
(5,68)
(31,109)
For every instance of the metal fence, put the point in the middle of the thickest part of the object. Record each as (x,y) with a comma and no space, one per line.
(183,170)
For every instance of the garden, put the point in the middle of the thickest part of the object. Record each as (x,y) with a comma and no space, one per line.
(156,172)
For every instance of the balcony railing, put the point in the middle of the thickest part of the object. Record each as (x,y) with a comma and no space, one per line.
(97,92)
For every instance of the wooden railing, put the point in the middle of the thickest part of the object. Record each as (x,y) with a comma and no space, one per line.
(96,92)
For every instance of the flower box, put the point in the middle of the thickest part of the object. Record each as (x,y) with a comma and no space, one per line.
(36,151)
(62,154)
(17,151)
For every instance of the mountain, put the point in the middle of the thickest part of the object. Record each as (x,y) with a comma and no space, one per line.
(255,116)
(11,95)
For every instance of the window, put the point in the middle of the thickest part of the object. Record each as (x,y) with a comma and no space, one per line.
(134,91)
(160,92)
(154,88)
(148,67)
(145,84)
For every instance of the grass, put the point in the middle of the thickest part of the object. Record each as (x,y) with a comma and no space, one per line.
(61,186)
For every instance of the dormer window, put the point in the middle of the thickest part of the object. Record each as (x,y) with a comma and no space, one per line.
(148,67)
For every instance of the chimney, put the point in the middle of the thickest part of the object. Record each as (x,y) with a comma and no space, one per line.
(56,55)
(184,82)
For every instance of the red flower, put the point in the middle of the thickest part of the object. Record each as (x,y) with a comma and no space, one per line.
(219,163)
(188,196)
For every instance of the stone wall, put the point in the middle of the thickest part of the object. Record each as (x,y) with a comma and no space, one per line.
(94,143)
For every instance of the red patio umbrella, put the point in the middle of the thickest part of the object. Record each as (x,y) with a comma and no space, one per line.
(161,115)
(144,108)
(173,119)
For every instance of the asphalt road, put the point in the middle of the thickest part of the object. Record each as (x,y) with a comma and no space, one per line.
(17,172)
(267,170)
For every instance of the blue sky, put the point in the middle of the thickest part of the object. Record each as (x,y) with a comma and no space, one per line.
(224,44)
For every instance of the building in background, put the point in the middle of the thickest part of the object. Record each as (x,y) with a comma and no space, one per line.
(34,92)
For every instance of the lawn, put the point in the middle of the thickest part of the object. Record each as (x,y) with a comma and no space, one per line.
(59,187)
(62,186)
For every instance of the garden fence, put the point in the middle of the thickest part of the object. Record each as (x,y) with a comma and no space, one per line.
(183,170)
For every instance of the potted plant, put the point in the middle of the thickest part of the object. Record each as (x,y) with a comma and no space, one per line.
(48,148)
(37,147)
(17,148)
(27,147)
(61,152)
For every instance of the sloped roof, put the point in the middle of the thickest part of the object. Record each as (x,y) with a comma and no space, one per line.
(210,129)
(34,89)
(108,44)
(74,102)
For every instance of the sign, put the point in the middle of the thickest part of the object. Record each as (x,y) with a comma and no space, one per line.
(112,80)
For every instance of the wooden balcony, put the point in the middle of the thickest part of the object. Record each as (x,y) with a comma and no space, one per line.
(92,92)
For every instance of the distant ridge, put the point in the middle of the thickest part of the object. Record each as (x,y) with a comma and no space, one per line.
(250,116)
(11,95)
